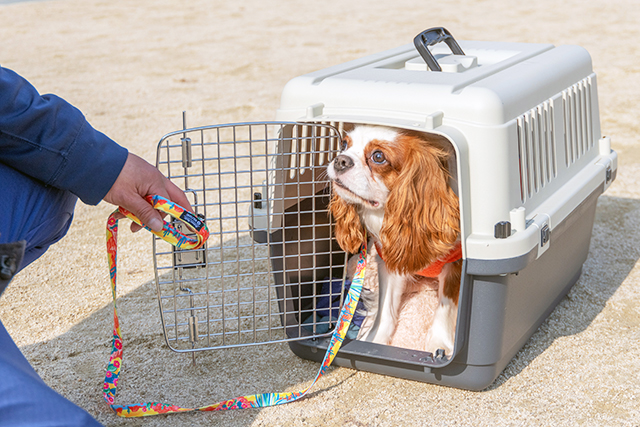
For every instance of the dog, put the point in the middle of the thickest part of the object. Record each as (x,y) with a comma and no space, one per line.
(394,184)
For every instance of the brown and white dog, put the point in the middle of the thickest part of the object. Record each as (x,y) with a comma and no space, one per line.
(395,183)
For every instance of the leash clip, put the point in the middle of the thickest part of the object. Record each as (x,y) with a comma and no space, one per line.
(169,233)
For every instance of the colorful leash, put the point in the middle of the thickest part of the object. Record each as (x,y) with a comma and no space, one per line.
(173,236)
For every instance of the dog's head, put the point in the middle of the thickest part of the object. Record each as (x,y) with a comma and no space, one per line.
(402,178)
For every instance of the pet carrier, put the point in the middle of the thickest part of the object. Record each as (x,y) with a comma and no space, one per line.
(530,163)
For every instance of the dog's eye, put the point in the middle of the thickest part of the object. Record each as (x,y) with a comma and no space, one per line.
(343,145)
(378,157)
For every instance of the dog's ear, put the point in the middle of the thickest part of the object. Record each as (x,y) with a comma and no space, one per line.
(348,227)
(422,214)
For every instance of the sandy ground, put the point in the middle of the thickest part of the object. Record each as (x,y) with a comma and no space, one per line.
(132,67)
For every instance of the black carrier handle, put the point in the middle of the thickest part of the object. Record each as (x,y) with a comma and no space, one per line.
(429,38)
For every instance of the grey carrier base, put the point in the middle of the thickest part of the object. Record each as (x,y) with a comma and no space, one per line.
(499,314)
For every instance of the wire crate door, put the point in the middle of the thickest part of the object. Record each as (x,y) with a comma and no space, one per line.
(270,271)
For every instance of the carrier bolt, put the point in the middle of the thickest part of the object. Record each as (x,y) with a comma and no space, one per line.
(502,230)
(440,353)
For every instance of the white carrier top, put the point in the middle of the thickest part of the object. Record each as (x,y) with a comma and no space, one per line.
(523,120)
(492,84)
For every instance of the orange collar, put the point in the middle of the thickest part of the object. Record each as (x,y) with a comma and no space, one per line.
(434,269)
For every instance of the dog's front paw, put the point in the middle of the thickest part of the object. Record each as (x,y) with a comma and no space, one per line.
(441,335)
(439,343)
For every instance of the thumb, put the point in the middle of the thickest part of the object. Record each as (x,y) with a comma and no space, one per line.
(146,213)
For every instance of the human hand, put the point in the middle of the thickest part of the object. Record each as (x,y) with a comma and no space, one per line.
(137,180)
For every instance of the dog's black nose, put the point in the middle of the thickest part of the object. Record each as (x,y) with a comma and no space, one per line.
(342,163)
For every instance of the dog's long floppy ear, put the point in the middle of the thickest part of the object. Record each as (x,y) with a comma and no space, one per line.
(349,230)
(422,214)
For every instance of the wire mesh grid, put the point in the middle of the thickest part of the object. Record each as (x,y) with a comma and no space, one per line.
(270,271)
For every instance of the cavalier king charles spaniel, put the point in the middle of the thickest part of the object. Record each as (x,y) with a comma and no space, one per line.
(395,184)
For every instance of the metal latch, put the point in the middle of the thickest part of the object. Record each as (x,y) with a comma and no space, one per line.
(545,235)
(188,258)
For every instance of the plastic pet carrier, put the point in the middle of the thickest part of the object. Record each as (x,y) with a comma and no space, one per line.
(530,163)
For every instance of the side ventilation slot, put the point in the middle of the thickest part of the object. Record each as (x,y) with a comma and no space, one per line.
(536,149)
(312,146)
(576,103)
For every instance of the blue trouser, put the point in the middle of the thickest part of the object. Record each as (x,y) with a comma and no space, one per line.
(41,216)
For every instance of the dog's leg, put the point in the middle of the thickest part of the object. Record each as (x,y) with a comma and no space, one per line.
(442,333)
(371,300)
(390,288)
(390,302)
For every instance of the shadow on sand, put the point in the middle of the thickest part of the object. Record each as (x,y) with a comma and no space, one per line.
(74,364)
(75,361)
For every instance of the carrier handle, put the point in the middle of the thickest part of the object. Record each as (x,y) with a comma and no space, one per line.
(429,38)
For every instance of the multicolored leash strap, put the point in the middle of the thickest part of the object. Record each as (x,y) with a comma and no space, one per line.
(173,236)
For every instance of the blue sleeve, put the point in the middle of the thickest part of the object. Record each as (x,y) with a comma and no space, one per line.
(48,139)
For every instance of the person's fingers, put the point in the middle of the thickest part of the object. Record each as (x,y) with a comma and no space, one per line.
(145,213)
(176,195)
(135,227)
(117,215)
(137,180)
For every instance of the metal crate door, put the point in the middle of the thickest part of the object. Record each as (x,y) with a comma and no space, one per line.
(270,271)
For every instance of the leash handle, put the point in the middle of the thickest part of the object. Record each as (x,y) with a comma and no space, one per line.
(170,234)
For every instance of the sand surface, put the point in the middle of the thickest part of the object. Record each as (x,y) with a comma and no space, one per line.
(133,67)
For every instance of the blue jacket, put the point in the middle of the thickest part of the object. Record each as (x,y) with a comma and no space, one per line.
(48,139)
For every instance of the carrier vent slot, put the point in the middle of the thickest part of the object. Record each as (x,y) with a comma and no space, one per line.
(312,146)
(536,149)
(578,138)
(329,145)
(332,145)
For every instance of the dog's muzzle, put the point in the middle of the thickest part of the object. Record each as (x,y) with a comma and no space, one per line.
(342,163)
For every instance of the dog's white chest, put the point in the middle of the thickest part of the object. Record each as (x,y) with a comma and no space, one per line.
(373,220)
